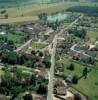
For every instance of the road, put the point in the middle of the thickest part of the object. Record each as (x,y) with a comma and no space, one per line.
(23,46)
(51,75)
(83,53)
(53,54)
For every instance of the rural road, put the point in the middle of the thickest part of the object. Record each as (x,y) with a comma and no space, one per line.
(51,75)
(53,54)
(23,46)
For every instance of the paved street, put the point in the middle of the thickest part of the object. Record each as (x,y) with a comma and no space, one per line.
(51,75)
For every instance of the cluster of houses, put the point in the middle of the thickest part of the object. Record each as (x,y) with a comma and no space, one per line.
(84,51)
(39,32)
(36,97)
(61,91)
(80,50)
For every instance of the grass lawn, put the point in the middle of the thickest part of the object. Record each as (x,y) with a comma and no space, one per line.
(14,37)
(92,35)
(87,86)
(36,46)
(78,68)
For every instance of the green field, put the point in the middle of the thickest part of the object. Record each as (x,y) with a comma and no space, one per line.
(14,37)
(87,86)
(78,67)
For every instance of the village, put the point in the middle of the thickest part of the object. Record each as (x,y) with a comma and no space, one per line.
(53,58)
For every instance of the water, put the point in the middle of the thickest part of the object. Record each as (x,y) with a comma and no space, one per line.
(59,17)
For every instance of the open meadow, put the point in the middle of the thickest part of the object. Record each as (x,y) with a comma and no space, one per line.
(88,86)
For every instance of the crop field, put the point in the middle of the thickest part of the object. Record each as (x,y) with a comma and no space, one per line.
(29,12)
(18,19)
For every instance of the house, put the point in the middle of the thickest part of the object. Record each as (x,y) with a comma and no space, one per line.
(69,79)
(59,82)
(26,29)
(61,90)
(60,40)
(70,98)
(41,72)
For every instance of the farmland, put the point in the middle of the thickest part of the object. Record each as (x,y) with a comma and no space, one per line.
(29,13)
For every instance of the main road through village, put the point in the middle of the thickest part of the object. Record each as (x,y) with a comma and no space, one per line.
(53,54)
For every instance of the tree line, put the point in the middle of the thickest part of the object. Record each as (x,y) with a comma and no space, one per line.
(90,10)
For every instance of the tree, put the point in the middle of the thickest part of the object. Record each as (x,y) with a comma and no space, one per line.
(42,89)
(28,63)
(43,16)
(28,97)
(71,67)
(85,71)
(12,58)
(33,80)
(33,52)
(6,65)
(6,16)
(75,79)
(91,60)
(40,54)
(81,33)
(77,97)
(3,11)
(9,57)
(15,90)
(47,63)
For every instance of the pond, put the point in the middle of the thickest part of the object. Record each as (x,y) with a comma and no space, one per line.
(59,17)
